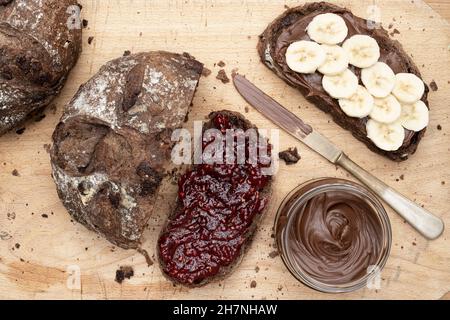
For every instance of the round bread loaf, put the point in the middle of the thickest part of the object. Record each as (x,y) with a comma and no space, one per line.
(113,142)
(40,42)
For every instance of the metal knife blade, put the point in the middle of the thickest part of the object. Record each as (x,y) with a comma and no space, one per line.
(286,119)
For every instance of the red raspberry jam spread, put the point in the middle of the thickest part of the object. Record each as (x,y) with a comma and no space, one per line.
(218,205)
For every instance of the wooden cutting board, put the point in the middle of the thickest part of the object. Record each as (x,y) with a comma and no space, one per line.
(40,248)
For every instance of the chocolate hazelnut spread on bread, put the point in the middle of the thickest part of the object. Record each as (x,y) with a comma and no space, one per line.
(291,26)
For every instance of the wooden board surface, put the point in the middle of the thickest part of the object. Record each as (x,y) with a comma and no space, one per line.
(40,247)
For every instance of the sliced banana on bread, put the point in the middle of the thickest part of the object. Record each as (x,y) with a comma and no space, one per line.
(364,79)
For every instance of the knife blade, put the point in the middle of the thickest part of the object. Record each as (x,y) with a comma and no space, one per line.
(286,119)
(422,220)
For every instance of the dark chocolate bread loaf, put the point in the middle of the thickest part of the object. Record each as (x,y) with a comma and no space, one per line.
(39,45)
(113,142)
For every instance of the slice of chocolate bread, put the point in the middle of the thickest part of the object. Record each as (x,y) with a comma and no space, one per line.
(291,26)
(218,209)
(113,142)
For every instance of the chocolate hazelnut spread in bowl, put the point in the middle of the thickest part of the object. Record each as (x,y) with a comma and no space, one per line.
(333,234)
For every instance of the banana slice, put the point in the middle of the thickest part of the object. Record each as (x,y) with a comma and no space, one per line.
(363,50)
(341,86)
(415,116)
(388,137)
(379,79)
(327,28)
(386,110)
(305,56)
(358,105)
(336,60)
(408,88)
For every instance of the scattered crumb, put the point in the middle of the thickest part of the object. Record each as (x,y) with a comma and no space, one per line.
(44,215)
(221,64)
(234,72)
(290,156)
(11,215)
(47,147)
(17,245)
(39,118)
(286,7)
(5,235)
(253,284)
(85,23)
(126,53)
(433,85)
(52,108)
(222,76)
(15,173)
(256,269)
(442,182)
(394,32)
(125,272)
(273,254)
(439,127)
(20,131)
(414,244)
(146,256)
(246,109)
(390,26)
(90,39)
(402,177)
(206,72)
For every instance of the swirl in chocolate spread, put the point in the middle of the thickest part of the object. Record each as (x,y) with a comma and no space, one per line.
(313,82)
(334,237)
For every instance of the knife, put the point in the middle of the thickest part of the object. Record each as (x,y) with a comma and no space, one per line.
(423,221)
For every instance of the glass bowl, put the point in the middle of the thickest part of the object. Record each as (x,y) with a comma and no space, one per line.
(288,213)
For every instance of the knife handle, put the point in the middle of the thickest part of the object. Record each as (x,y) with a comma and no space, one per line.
(422,220)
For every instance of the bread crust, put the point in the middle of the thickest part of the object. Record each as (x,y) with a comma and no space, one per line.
(266,47)
(113,142)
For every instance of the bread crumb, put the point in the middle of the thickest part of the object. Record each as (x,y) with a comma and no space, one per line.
(15,173)
(222,76)
(221,64)
(290,156)
(20,131)
(125,272)
(253,284)
(90,39)
(433,85)
(206,72)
